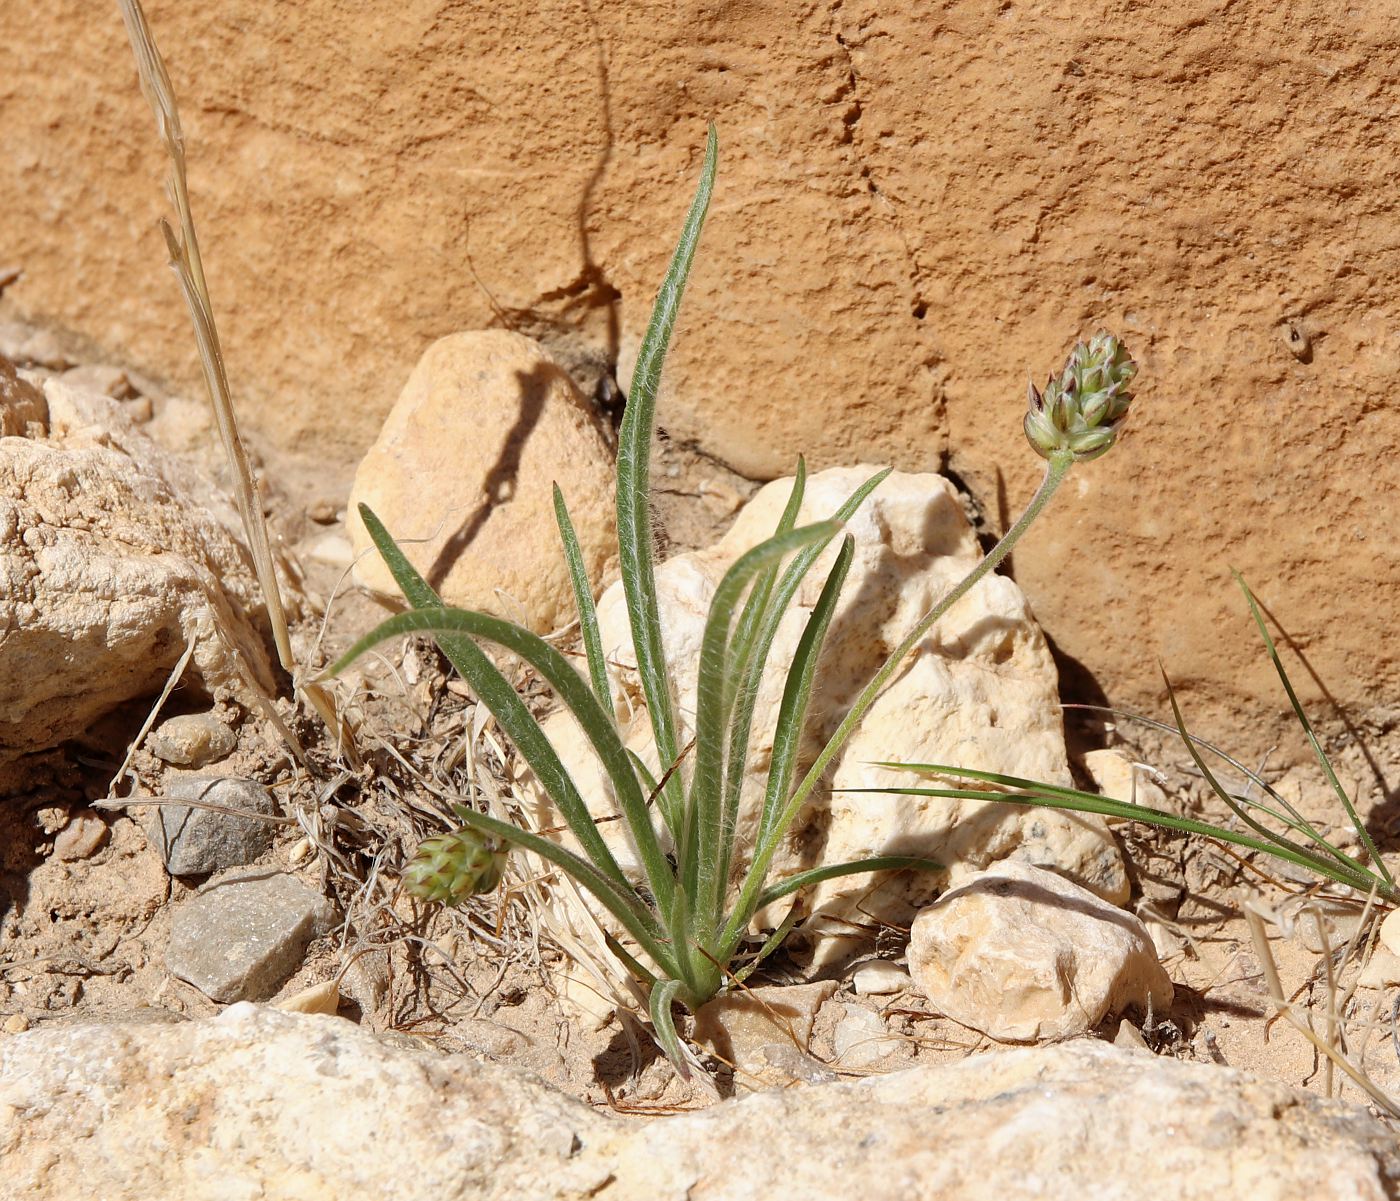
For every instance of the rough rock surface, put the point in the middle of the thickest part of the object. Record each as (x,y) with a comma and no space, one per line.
(1023,955)
(109,566)
(242,935)
(462,476)
(288,1106)
(919,205)
(980,693)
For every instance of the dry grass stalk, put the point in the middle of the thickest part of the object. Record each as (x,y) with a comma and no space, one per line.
(185,258)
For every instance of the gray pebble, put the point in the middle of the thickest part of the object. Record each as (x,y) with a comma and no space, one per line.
(194,840)
(241,937)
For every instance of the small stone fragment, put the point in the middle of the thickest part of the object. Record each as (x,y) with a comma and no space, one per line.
(81,837)
(1130,1038)
(23,410)
(240,937)
(1116,776)
(779,1065)
(861,1040)
(208,836)
(191,740)
(879,978)
(1381,971)
(101,379)
(1024,955)
(323,512)
(16,1023)
(735,1025)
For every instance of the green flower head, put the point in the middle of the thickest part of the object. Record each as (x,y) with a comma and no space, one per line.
(1083,408)
(452,867)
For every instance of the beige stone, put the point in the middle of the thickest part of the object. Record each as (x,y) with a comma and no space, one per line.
(286,1106)
(1115,775)
(737,1024)
(1390,931)
(110,564)
(463,472)
(1024,955)
(979,693)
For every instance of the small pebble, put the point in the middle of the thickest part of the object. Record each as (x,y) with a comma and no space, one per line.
(332,549)
(81,837)
(323,512)
(210,834)
(879,978)
(139,409)
(191,740)
(242,936)
(16,1023)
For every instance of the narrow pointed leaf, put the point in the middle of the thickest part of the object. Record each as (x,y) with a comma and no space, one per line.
(583,599)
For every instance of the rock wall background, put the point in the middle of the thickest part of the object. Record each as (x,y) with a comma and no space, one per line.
(920,205)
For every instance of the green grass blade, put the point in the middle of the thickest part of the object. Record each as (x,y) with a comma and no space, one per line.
(741,683)
(597,725)
(700,853)
(757,603)
(1216,787)
(663,996)
(797,692)
(787,738)
(1047,796)
(1322,759)
(624,905)
(633,490)
(1290,816)
(583,598)
(856,867)
(741,720)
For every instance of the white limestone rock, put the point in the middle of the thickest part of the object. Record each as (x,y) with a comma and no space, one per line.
(113,556)
(1024,955)
(257,1103)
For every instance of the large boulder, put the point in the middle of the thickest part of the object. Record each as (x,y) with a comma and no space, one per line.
(462,476)
(112,561)
(279,1106)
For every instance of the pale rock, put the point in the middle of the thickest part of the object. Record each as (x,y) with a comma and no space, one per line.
(191,740)
(1382,970)
(779,1065)
(334,550)
(1390,931)
(240,937)
(33,347)
(878,978)
(279,1105)
(1115,775)
(81,838)
(1130,1038)
(737,1025)
(113,558)
(981,692)
(1024,955)
(99,378)
(862,1041)
(16,1023)
(462,476)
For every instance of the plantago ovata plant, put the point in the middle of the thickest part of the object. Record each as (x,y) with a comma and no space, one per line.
(690,910)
